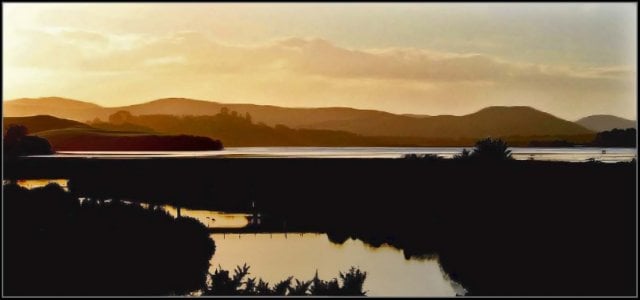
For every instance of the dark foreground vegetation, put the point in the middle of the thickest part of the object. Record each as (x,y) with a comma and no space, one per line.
(222,284)
(625,138)
(616,138)
(55,245)
(498,227)
(16,141)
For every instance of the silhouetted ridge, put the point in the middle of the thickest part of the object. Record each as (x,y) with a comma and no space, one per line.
(491,121)
(42,122)
(51,101)
(606,122)
(67,135)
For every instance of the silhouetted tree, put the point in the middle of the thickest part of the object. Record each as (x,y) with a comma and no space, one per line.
(221,284)
(14,133)
(427,157)
(324,288)
(352,282)
(491,149)
(300,289)
(17,142)
(616,138)
(224,285)
(464,155)
(120,117)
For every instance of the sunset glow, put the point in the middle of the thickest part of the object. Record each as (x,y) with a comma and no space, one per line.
(570,60)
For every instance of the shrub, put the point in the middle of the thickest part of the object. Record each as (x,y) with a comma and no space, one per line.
(491,149)
(221,284)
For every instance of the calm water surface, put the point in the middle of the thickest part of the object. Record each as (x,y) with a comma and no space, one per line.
(274,257)
(574,154)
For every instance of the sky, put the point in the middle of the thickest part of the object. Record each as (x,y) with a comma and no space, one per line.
(568,59)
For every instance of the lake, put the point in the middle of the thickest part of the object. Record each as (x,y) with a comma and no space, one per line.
(573,154)
(274,257)
(302,254)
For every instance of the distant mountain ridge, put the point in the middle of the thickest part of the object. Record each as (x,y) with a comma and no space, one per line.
(54,106)
(40,123)
(491,121)
(606,122)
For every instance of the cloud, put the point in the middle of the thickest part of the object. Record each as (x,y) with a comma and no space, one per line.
(84,36)
(306,72)
(299,56)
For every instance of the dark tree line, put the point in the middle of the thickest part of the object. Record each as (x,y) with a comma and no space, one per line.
(611,138)
(616,138)
(17,142)
(487,149)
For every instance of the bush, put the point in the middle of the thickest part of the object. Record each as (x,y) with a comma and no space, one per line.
(425,157)
(17,142)
(491,149)
(221,284)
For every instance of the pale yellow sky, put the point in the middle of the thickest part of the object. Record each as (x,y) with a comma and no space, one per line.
(571,60)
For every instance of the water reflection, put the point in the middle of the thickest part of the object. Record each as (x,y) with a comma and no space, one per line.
(212,219)
(574,154)
(36,183)
(274,257)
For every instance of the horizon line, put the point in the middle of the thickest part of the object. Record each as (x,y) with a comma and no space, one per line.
(309,107)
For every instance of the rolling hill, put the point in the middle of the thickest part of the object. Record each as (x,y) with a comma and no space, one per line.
(90,139)
(606,122)
(67,135)
(270,115)
(42,123)
(491,121)
(53,106)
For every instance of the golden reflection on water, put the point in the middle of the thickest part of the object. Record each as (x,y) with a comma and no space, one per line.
(274,257)
(36,183)
(212,219)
